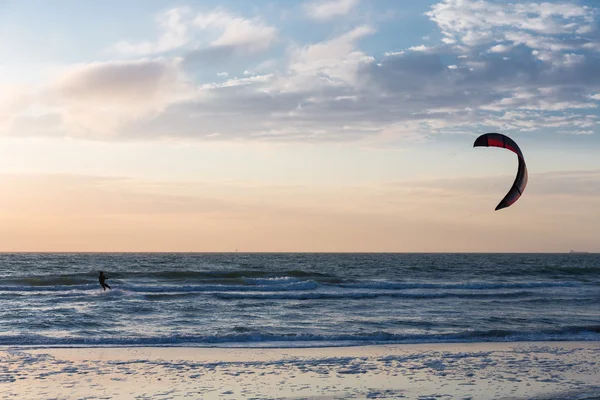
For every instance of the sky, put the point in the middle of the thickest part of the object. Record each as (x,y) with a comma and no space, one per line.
(298,125)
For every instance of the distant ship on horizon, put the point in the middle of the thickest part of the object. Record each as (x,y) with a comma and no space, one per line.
(578,252)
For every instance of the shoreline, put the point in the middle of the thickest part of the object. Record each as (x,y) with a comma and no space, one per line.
(281,345)
(286,345)
(481,370)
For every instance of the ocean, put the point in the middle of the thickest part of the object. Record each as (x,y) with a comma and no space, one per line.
(295,300)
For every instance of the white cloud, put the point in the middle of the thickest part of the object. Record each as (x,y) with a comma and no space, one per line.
(249,34)
(477,21)
(325,10)
(592,46)
(499,48)
(174,34)
(331,63)
(420,48)
(581,132)
(179,28)
(537,42)
(545,99)
(238,82)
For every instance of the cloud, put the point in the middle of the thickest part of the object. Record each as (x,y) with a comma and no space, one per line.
(420,48)
(97,98)
(276,107)
(331,63)
(519,68)
(128,81)
(332,90)
(473,22)
(174,34)
(531,120)
(325,10)
(499,48)
(251,35)
(180,28)
(233,40)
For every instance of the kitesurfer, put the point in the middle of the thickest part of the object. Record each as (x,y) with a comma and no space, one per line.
(102,280)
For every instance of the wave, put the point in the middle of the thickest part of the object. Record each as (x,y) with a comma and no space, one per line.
(64,280)
(295,286)
(206,281)
(240,277)
(470,285)
(302,290)
(306,285)
(56,288)
(367,295)
(287,288)
(296,292)
(571,269)
(231,275)
(242,338)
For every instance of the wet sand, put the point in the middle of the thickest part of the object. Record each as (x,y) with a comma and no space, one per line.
(526,370)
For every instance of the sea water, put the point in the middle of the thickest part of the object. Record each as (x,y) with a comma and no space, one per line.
(282,300)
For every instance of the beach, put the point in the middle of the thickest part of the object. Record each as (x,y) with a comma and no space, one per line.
(300,326)
(522,370)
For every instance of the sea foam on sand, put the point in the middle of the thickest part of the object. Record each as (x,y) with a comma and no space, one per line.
(539,370)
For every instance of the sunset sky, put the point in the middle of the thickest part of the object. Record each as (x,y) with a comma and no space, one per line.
(343,125)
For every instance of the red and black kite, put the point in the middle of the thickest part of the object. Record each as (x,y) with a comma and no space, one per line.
(500,140)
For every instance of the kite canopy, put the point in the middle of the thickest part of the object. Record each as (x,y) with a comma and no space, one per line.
(500,140)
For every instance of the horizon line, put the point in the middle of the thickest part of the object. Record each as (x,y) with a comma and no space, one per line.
(3,252)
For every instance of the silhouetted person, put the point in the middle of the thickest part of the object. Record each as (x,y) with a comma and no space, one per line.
(102,280)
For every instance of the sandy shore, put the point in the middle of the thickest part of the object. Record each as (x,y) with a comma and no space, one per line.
(562,370)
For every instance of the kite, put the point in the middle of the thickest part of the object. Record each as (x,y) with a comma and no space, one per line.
(500,140)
